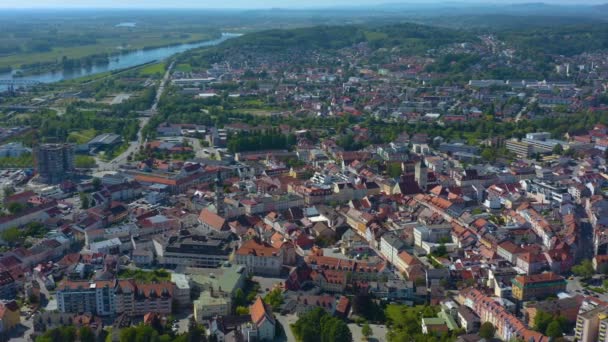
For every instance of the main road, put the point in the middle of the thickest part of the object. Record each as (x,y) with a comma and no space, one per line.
(143,121)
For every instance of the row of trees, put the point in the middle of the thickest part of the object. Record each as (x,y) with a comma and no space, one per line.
(318,326)
(256,141)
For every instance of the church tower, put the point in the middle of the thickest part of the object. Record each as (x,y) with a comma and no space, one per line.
(219,195)
(421,174)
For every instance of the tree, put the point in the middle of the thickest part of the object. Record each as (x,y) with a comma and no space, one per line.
(84,201)
(242,310)
(96,182)
(11,235)
(554,330)
(558,149)
(15,208)
(86,334)
(274,298)
(239,297)
(318,326)
(366,330)
(584,269)
(487,330)
(9,190)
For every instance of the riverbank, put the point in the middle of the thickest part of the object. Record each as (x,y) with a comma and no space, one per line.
(88,56)
(119,62)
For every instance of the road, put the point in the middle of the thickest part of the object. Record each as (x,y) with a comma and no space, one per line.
(143,121)
(524,110)
(286,322)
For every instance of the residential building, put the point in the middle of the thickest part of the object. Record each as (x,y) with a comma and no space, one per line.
(8,286)
(10,316)
(136,298)
(181,291)
(264,323)
(537,286)
(260,258)
(82,296)
(54,162)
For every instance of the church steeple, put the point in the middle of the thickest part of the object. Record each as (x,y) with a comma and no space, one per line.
(219,194)
(421,174)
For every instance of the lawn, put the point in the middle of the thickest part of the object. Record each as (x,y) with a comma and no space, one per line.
(153,69)
(82,137)
(183,68)
(145,276)
(254,111)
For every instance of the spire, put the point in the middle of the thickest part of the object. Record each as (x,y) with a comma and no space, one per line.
(219,194)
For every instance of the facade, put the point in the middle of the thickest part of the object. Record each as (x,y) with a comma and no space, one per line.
(10,316)
(81,296)
(264,323)
(489,310)
(181,293)
(54,162)
(111,297)
(210,250)
(8,286)
(520,148)
(260,258)
(137,299)
(592,316)
(537,286)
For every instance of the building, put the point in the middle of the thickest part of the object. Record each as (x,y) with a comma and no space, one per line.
(218,287)
(8,286)
(468,319)
(104,141)
(433,325)
(421,174)
(10,316)
(181,292)
(210,250)
(592,316)
(14,149)
(54,162)
(82,296)
(136,299)
(209,305)
(520,148)
(260,258)
(490,310)
(537,286)
(390,246)
(264,323)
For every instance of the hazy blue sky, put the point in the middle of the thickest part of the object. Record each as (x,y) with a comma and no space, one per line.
(232,3)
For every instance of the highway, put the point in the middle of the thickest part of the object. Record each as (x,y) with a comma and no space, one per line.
(143,121)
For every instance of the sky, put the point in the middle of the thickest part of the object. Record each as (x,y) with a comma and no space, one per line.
(235,3)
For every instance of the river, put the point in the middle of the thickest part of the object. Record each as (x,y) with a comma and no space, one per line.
(117,62)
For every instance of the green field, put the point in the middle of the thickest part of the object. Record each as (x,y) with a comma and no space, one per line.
(82,137)
(183,68)
(153,69)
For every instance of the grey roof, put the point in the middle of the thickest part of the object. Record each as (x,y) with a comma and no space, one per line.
(106,139)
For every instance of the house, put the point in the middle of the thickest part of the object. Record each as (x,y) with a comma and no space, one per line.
(260,258)
(538,285)
(468,319)
(263,320)
(10,316)
(8,286)
(211,220)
